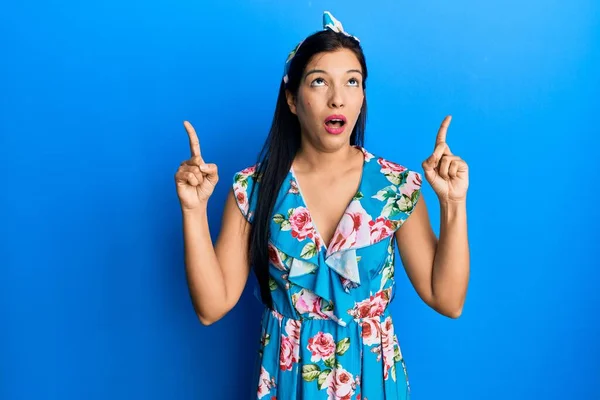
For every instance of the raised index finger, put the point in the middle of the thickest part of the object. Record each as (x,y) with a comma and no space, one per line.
(441,135)
(194,142)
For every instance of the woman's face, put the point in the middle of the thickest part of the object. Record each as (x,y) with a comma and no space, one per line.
(329,99)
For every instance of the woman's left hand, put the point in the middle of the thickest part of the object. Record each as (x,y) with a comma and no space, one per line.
(447,174)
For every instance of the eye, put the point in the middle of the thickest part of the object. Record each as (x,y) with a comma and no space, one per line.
(354,82)
(317,82)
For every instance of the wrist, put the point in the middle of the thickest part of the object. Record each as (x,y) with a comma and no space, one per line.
(195,212)
(450,209)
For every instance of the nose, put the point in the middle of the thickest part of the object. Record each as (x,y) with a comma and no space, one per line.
(336,99)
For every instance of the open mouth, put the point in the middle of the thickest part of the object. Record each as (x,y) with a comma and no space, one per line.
(334,124)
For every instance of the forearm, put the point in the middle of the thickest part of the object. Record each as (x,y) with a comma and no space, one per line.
(451,264)
(204,275)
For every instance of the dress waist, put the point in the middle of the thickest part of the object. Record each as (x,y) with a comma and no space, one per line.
(358,317)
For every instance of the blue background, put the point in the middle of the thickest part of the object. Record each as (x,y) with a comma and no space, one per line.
(93,297)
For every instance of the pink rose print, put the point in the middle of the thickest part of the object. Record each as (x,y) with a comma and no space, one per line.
(413,183)
(241,197)
(387,329)
(288,353)
(318,241)
(387,345)
(292,328)
(275,259)
(293,187)
(248,171)
(371,331)
(352,230)
(265,383)
(380,229)
(377,350)
(390,168)
(374,306)
(308,302)
(321,346)
(368,156)
(277,315)
(340,385)
(347,284)
(301,223)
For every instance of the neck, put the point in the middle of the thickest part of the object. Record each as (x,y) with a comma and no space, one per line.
(317,159)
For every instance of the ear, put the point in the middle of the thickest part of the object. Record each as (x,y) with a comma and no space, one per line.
(291,100)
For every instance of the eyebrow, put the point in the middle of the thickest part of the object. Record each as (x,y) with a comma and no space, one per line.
(320,71)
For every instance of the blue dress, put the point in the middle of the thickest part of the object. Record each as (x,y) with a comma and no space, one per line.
(330,333)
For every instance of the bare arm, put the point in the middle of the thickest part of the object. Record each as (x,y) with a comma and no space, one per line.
(216,275)
(438,269)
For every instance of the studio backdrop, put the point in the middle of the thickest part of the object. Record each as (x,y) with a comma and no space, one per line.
(93,296)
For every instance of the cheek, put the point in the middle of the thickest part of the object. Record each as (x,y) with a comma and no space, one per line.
(360,101)
(307,104)
(358,105)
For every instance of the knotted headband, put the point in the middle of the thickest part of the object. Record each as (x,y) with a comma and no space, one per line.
(329,22)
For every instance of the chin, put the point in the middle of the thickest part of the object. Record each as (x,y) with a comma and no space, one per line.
(328,141)
(334,142)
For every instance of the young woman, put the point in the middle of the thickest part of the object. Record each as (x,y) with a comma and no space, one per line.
(317,218)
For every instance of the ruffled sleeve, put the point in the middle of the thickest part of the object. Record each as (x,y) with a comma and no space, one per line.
(244,183)
(397,200)
(409,192)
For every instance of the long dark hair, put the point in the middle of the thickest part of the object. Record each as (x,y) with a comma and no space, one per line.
(283,142)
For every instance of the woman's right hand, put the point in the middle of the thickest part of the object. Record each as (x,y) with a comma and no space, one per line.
(194,179)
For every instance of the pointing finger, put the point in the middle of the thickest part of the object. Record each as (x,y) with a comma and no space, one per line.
(441,136)
(194,142)
(198,161)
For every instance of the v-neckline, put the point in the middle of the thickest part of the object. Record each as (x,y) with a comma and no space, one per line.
(305,204)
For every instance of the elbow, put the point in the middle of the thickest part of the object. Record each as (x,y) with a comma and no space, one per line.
(209,314)
(208,320)
(454,313)
(448,309)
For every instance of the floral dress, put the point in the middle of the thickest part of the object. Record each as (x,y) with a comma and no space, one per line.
(330,334)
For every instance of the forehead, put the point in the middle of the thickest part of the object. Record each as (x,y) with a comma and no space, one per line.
(338,61)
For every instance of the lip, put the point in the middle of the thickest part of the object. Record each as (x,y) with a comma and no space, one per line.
(335,131)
